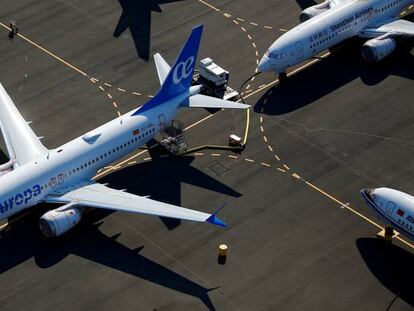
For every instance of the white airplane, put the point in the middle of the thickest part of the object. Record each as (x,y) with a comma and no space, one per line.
(393,207)
(333,21)
(35,174)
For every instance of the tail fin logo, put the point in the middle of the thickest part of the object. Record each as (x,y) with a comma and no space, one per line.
(183,70)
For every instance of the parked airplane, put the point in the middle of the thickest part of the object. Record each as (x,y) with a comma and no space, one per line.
(333,21)
(35,174)
(393,207)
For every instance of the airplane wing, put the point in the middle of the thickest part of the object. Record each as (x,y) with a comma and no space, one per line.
(22,143)
(202,101)
(336,2)
(97,195)
(162,67)
(395,28)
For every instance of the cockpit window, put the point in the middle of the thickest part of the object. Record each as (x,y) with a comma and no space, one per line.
(277,55)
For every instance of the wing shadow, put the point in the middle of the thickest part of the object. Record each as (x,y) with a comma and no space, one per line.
(327,75)
(390,264)
(136,15)
(161,179)
(24,241)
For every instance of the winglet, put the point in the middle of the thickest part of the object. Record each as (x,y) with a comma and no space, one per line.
(213,219)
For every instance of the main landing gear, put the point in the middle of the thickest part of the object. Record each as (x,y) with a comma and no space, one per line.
(282,77)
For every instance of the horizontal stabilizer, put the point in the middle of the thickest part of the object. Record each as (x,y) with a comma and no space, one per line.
(162,67)
(203,101)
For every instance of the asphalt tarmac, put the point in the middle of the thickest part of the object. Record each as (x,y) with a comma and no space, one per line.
(300,236)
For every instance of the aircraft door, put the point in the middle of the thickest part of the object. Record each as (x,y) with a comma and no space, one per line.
(390,208)
(162,121)
(300,51)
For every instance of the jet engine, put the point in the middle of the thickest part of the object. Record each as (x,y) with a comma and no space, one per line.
(314,10)
(7,167)
(377,49)
(55,223)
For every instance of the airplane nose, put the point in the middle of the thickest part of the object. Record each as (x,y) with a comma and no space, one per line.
(264,64)
(367,192)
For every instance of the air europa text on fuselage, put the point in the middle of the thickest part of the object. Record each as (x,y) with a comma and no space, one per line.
(20,198)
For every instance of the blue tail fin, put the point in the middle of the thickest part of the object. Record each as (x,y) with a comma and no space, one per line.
(178,80)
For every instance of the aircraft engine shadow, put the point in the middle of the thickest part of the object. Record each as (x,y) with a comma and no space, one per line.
(136,15)
(23,240)
(327,75)
(390,264)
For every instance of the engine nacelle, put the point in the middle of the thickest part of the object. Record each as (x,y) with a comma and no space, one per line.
(7,167)
(377,49)
(55,223)
(314,10)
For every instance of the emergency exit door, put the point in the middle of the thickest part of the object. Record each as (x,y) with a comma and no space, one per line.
(300,51)
(390,208)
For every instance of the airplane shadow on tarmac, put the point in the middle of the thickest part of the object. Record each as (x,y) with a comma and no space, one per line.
(136,15)
(327,75)
(391,265)
(161,180)
(304,4)
(24,240)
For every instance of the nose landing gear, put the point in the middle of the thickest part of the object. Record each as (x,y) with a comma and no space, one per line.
(387,234)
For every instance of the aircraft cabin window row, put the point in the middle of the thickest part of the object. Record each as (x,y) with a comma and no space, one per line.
(389,5)
(406,224)
(110,152)
(410,219)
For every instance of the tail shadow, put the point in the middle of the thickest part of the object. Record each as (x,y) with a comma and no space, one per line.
(161,179)
(136,15)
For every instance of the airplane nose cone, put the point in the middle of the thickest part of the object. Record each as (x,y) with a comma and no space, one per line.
(366,193)
(264,64)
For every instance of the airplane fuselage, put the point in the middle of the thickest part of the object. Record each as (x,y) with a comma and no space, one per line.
(78,160)
(326,30)
(393,207)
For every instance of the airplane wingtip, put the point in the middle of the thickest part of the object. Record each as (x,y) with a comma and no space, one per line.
(214,220)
